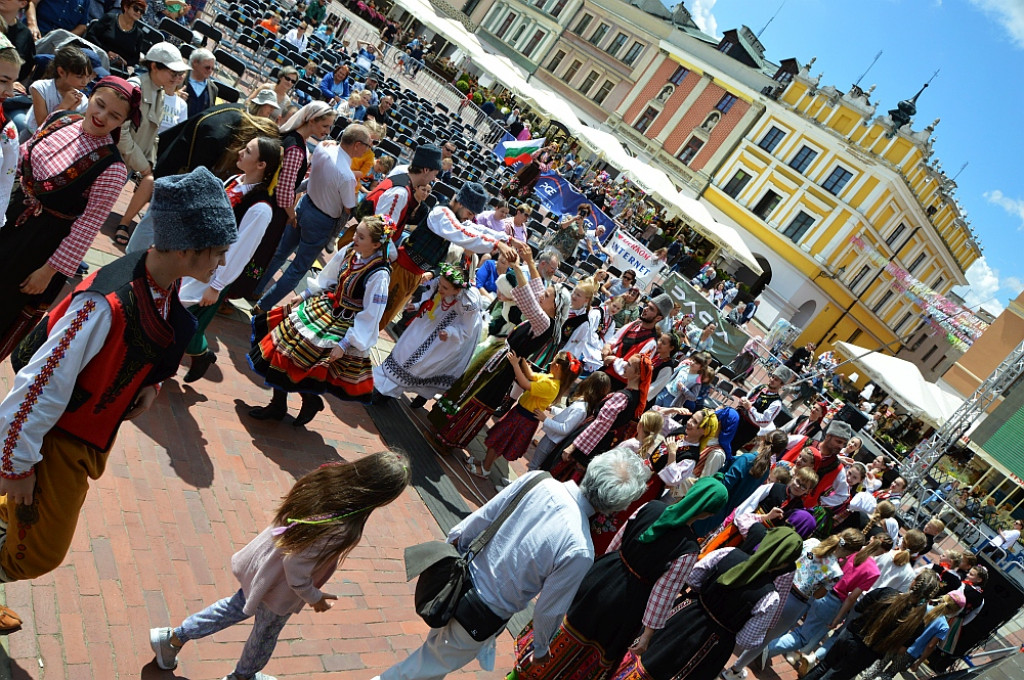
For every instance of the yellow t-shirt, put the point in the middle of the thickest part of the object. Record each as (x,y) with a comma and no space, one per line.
(363,164)
(542,392)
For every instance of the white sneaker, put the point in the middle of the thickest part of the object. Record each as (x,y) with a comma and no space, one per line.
(166,653)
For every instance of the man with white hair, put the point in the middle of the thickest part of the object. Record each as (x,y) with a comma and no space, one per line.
(542,550)
(200,86)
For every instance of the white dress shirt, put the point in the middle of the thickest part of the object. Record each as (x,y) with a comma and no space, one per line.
(332,185)
(544,547)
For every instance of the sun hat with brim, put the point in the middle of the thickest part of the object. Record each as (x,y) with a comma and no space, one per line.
(266,97)
(167,55)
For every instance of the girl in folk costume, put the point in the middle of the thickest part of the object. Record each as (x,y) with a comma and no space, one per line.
(320,341)
(437,346)
(512,435)
(285,568)
(649,445)
(70,175)
(580,332)
(699,454)
(251,200)
(663,363)
(614,422)
(10,63)
(888,621)
(768,506)
(610,308)
(738,598)
(817,570)
(628,592)
(744,475)
(839,518)
(471,401)
(584,404)
(312,121)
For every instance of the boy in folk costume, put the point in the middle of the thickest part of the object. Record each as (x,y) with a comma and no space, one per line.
(760,407)
(96,360)
(428,244)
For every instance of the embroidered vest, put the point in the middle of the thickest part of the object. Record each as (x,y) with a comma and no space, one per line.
(64,195)
(368,206)
(352,281)
(142,348)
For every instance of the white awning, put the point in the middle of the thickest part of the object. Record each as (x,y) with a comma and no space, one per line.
(903,380)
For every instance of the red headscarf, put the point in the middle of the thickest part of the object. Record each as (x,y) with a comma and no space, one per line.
(130,92)
(646,369)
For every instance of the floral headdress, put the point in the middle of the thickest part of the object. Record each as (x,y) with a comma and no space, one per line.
(454,274)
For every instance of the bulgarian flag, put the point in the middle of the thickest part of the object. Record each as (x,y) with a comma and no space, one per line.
(520,152)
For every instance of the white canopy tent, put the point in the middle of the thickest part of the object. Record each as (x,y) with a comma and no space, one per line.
(902,380)
(724,235)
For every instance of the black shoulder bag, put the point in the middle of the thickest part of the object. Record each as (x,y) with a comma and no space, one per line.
(444,573)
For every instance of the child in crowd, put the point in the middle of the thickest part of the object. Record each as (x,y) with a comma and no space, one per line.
(61,90)
(284,568)
(511,436)
(556,428)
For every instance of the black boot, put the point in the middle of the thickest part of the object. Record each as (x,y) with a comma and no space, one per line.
(311,405)
(276,410)
(200,364)
(418,402)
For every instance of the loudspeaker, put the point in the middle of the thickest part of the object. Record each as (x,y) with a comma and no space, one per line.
(1003,599)
(849,414)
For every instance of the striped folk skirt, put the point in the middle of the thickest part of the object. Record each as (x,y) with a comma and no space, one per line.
(292,351)
(572,657)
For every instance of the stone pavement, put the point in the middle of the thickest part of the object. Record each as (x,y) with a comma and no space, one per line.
(188,484)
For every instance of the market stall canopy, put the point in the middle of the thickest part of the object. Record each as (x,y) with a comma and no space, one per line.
(904,382)
(722,234)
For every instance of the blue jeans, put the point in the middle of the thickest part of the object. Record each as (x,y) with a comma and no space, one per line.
(806,636)
(306,240)
(227,612)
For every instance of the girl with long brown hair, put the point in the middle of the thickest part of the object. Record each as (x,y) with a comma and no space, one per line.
(889,620)
(284,568)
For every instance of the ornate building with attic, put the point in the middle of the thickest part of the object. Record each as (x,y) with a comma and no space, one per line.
(831,195)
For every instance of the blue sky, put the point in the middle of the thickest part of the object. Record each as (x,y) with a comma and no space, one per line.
(978,45)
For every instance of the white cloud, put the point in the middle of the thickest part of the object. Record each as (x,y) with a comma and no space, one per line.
(1013,206)
(1009,13)
(983,286)
(700,10)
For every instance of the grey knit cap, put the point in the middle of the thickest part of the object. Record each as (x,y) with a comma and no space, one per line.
(191,212)
(841,429)
(664,304)
(783,373)
(473,197)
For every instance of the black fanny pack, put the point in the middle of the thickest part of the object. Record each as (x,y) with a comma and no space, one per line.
(477,618)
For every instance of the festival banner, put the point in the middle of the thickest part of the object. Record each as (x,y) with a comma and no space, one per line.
(561,198)
(961,326)
(729,339)
(625,252)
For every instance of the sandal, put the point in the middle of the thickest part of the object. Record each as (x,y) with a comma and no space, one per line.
(476,468)
(122,235)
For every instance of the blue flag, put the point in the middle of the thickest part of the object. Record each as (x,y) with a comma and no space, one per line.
(561,198)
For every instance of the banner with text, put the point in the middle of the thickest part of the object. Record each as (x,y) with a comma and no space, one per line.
(625,252)
(561,198)
(729,339)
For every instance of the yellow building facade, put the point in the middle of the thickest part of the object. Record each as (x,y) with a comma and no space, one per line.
(819,182)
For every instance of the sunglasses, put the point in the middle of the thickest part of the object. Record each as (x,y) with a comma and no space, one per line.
(141,9)
(291,79)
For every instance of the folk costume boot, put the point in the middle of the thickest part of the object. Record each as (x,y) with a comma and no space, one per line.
(200,364)
(311,405)
(276,410)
